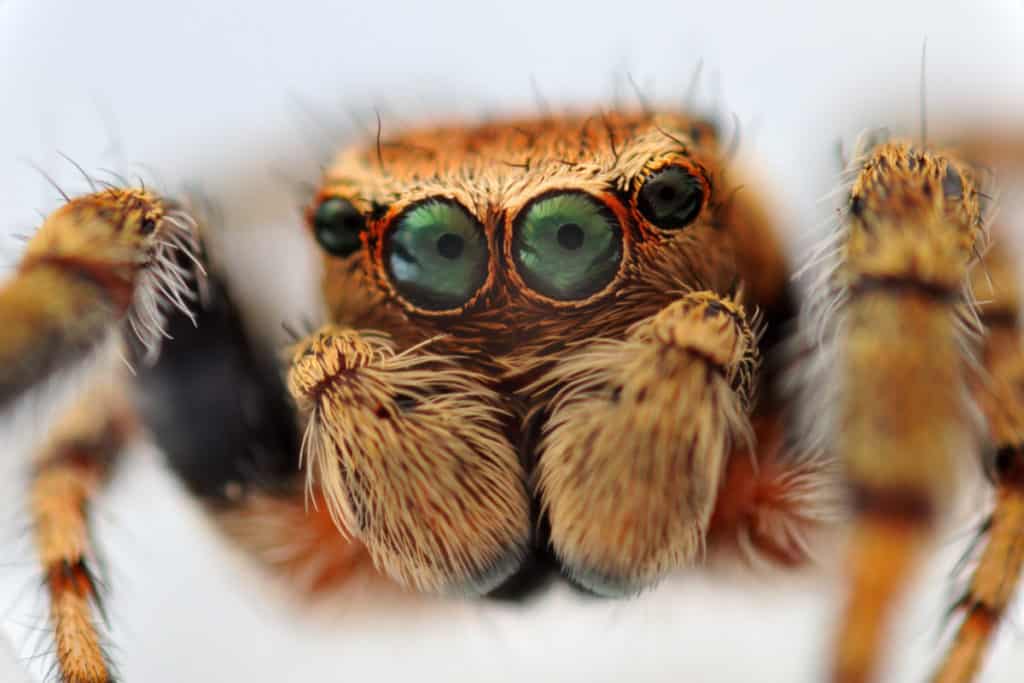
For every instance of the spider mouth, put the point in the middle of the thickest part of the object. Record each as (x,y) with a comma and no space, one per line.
(538,570)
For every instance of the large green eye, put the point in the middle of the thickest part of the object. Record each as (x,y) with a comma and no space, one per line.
(567,245)
(671,198)
(437,255)
(337,226)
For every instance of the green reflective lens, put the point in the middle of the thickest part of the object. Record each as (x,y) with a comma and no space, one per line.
(437,255)
(567,245)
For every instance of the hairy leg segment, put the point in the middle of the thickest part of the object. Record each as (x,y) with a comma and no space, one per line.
(1000,392)
(894,308)
(100,264)
(69,471)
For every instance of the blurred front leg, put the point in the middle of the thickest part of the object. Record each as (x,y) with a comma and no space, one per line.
(68,474)
(112,257)
(1000,394)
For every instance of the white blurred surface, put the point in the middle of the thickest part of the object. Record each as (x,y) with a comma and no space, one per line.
(206,94)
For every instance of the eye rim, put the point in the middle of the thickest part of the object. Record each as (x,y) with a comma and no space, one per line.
(311,216)
(515,278)
(381,252)
(690,168)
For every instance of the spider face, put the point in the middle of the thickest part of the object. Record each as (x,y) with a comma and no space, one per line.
(481,232)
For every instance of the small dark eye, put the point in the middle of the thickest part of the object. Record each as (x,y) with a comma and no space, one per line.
(671,198)
(338,225)
(148,226)
(952,184)
(437,255)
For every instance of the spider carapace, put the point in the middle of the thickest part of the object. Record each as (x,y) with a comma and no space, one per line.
(552,346)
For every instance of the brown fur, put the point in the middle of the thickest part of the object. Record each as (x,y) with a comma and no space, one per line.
(494,170)
(892,307)
(999,392)
(774,506)
(97,261)
(296,540)
(69,472)
(433,489)
(635,445)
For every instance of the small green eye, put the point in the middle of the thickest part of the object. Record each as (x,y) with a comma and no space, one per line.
(437,255)
(567,245)
(671,198)
(337,226)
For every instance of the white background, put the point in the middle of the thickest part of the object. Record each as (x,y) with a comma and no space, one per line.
(218,95)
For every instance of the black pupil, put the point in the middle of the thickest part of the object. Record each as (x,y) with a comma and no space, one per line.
(450,245)
(666,193)
(570,236)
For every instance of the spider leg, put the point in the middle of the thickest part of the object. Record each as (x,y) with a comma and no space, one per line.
(770,507)
(902,412)
(1001,397)
(216,406)
(112,257)
(68,473)
(894,515)
(635,445)
(412,456)
(52,317)
(296,539)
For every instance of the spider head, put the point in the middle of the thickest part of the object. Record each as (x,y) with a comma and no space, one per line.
(512,237)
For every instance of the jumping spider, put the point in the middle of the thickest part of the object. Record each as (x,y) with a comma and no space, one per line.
(553,344)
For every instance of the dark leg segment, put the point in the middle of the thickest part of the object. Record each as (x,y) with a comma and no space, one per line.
(217,407)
